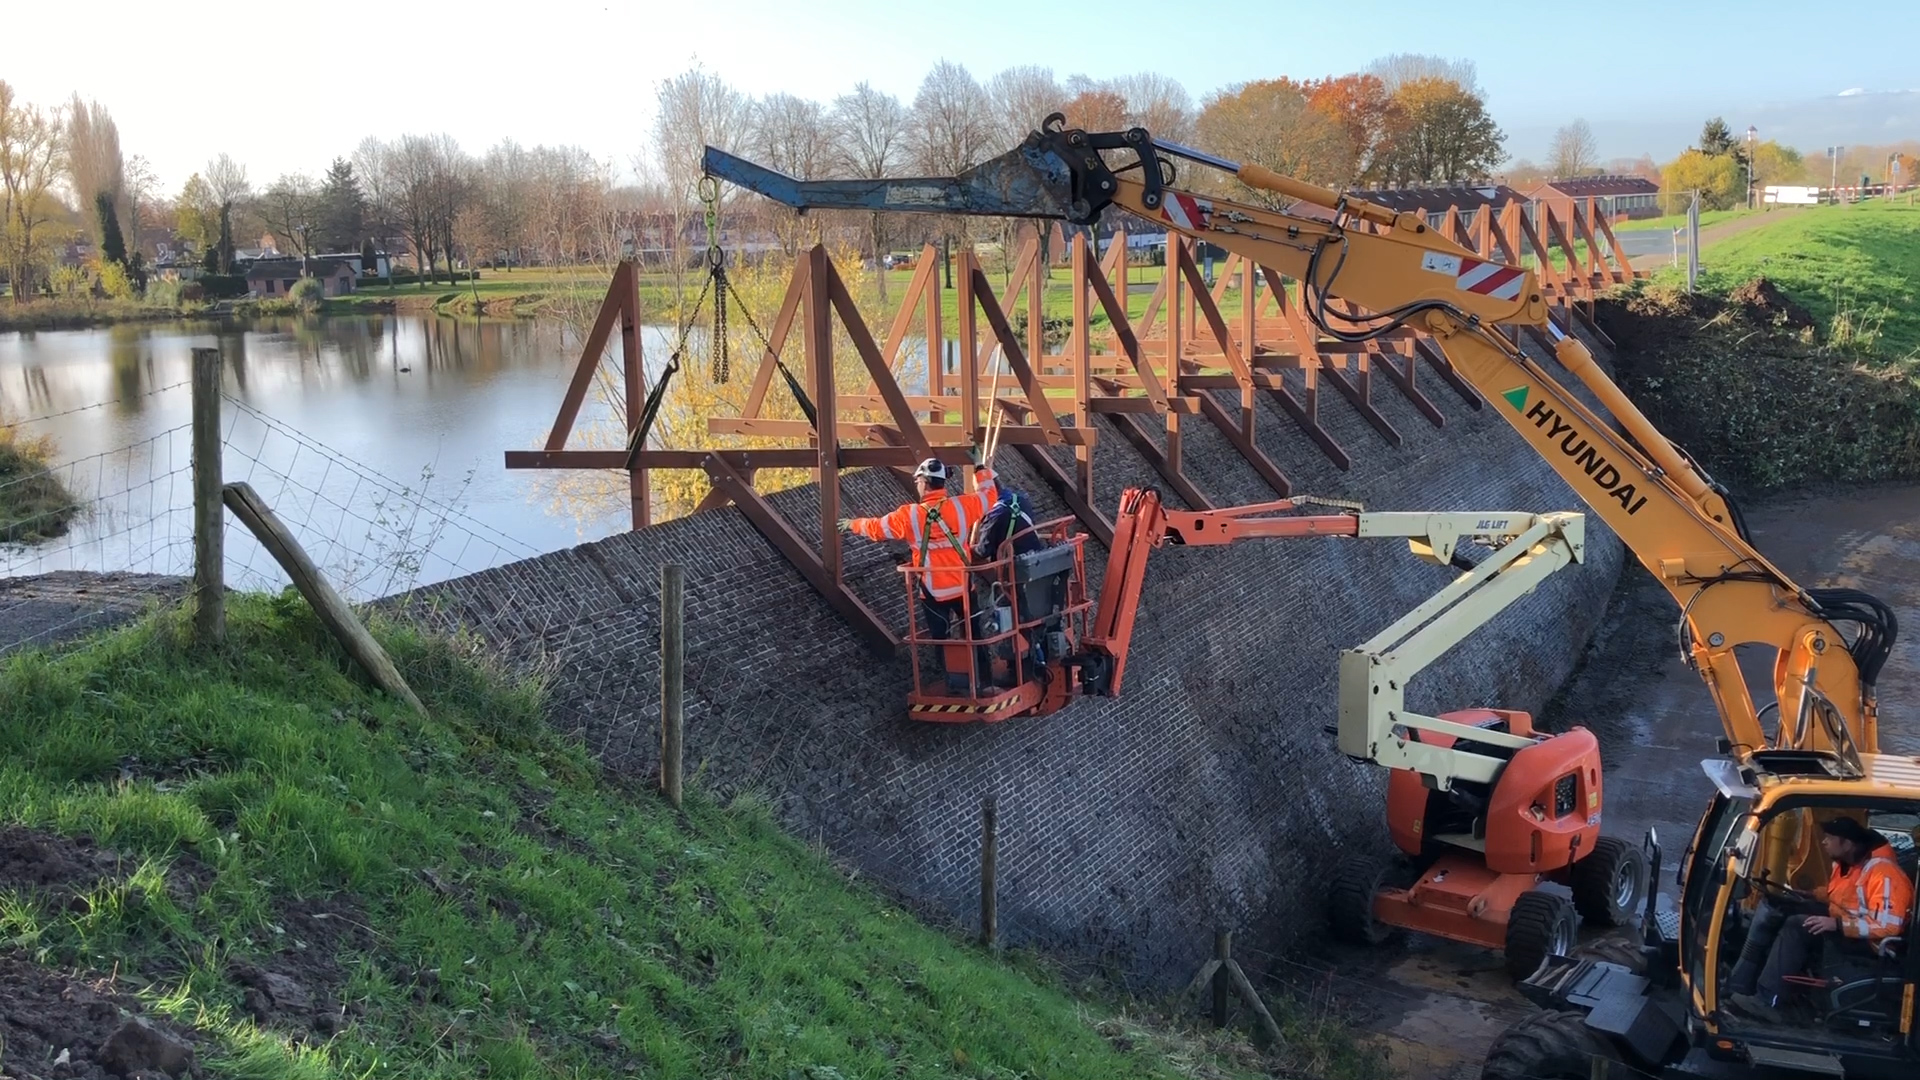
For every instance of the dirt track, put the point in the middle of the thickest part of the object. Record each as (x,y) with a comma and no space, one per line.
(1442,1004)
(49,608)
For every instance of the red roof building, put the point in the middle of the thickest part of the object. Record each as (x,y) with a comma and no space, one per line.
(1614,196)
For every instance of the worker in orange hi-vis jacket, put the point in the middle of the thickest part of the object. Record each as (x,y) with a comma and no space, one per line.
(936,528)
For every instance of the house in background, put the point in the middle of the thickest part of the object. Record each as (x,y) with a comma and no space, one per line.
(1434,201)
(274,278)
(1618,197)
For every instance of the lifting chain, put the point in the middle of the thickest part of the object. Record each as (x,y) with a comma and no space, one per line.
(722,370)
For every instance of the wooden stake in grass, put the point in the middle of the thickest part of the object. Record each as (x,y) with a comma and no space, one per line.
(209,524)
(332,608)
(989,915)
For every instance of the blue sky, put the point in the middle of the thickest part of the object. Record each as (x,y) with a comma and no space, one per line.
(304,85)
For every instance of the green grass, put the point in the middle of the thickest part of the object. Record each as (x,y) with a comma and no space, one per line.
(34,504)
(70,313)
(1856,269)
(577,928)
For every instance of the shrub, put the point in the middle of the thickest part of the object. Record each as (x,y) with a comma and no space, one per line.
(307,294)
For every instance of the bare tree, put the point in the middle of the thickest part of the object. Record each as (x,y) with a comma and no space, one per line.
(1574,150)
(290,208)
(1158,103)
(504,197)
(949,131)
(32,149)
(697,109)
(869,131)
(94,165)
(1399,69)
(1022,97)
(449,188)
(790,134)
(143,197)
(227,179)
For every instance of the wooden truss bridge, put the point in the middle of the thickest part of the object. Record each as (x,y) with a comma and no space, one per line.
(1184,360)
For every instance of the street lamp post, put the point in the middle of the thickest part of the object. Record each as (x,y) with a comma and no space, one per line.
(1751,132)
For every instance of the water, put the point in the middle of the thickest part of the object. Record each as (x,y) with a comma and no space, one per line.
(324,409)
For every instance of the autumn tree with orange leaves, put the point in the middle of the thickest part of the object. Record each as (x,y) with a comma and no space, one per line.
(1271,122)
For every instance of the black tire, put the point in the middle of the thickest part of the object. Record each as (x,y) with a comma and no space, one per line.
(1613,950)
(1350,903)
(1542,924)
(1610,884)
(1548,1046)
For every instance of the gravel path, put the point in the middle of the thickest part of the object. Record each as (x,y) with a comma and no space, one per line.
(49,608)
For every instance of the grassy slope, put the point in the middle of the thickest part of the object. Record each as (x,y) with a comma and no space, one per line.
(1855,268)
(576,930)
(34,504)
(1670,222)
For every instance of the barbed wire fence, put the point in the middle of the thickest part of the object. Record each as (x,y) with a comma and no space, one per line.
(92,540)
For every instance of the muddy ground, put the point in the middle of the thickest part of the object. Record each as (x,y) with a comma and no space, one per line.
(1440,1004)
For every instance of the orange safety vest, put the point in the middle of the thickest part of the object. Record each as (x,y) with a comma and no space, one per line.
(1870,900)
(936,527)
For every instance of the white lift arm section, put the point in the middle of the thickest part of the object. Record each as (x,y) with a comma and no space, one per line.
(1375,723)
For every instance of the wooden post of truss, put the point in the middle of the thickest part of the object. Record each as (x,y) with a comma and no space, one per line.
(969,331)
(817,305)
(1170,373)
(639,497)
(1082,361)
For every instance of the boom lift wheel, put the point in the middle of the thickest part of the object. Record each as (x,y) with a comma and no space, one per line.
(1350,904)
(1542,924)
(1548,1046)
(1610,884)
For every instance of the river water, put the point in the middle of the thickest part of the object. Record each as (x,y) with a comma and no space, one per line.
(379,439)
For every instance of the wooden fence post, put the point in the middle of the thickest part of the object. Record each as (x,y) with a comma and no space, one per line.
(672,675)
(989,839)
(333,609)
(209,519)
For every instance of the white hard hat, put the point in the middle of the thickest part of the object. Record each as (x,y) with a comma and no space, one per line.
(932,469)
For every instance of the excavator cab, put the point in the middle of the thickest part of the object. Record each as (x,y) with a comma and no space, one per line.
(1024,615)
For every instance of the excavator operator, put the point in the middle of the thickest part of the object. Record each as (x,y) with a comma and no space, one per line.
(1863,905)
(936,528)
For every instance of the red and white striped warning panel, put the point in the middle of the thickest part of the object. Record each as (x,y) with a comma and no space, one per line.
(1185,211)
(1476,276)
(1490,279)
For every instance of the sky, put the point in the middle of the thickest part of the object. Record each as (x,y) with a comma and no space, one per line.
(286,87)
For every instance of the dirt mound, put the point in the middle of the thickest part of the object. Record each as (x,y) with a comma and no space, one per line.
(56,867)
(298,988)
(1745,386)
(63,1027)
(1764,303)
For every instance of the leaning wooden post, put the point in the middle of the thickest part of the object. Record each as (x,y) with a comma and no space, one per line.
(989,917)
(1223,952)
(209,523)
(332,608)
(672,673)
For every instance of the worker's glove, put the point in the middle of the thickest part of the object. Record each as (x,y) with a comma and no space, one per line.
(845,525)
(973,454)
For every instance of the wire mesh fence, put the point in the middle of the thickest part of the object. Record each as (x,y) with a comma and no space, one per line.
(88,539)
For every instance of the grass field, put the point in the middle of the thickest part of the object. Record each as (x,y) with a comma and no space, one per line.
(1855,268)
(499,908)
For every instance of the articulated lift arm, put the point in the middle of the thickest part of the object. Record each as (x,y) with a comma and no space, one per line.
(1375,270)
(1375,724)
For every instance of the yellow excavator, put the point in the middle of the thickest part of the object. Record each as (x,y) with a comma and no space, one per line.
(1795,754)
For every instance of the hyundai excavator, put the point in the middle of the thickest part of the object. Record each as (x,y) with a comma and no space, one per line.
(1365,270)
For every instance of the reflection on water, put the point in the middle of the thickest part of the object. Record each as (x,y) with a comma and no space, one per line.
(408,397)
(323,408)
